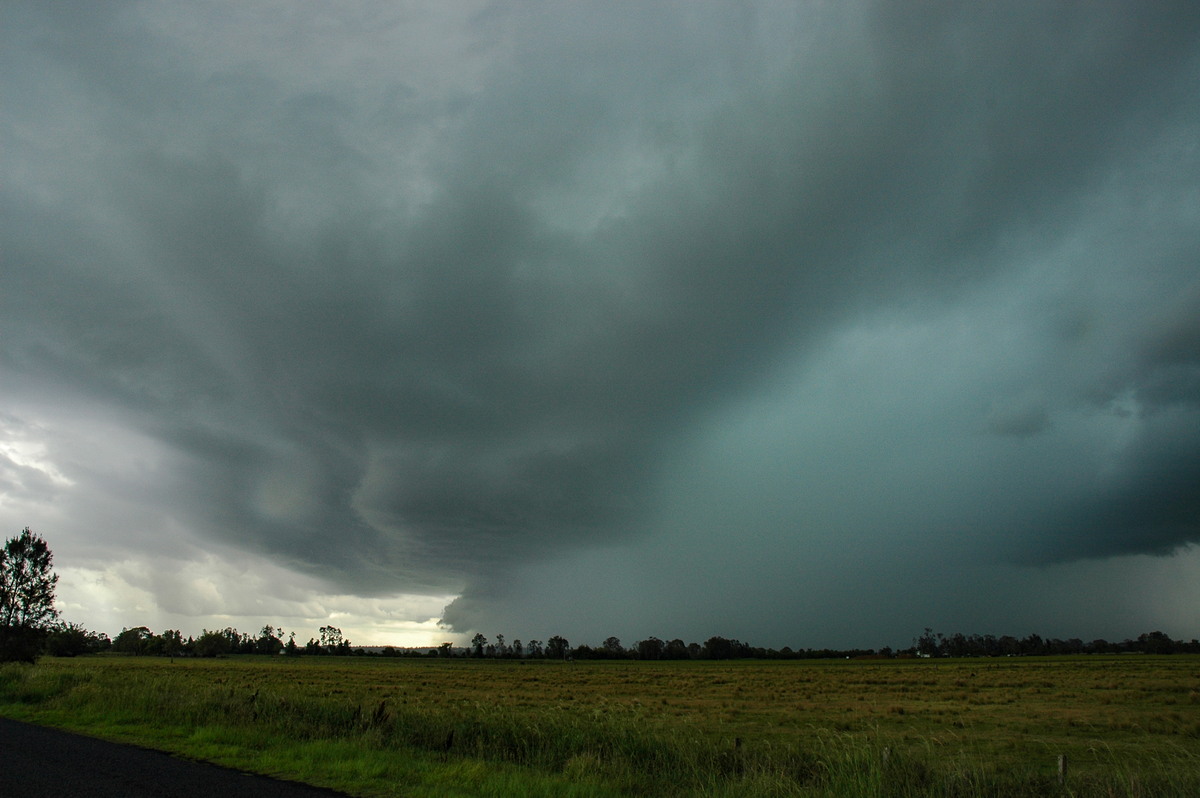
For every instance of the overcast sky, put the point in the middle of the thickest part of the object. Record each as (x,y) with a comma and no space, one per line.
(808,324)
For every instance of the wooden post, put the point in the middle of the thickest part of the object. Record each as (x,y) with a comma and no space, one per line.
(1062,769)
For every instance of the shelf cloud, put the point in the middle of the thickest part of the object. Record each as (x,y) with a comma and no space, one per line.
(679,316)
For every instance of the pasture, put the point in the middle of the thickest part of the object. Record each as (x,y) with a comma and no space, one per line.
(1126,725)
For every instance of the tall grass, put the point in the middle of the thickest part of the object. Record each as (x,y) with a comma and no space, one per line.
(308,723)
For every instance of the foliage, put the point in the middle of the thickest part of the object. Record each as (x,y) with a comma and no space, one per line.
(26,596)
(70,640)
(268,642)
(332,641)
(229,641)
(557,647)
(935,644)
(133,641)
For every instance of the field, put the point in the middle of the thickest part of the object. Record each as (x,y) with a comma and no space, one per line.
(1126,725)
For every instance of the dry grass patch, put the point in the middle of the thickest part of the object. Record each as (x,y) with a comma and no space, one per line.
(972,727)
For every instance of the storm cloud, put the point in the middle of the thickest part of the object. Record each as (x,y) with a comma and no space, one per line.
(690,313)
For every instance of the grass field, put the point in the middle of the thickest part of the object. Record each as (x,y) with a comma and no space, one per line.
(1127,725)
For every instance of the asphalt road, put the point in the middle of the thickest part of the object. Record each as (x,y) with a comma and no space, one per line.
(37,762)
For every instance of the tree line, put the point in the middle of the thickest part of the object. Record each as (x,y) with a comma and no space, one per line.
(66,640)
(936,644)
(30,626)
(928,644)
(140,641)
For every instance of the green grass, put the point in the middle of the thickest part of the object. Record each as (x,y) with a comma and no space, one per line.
(1128,725)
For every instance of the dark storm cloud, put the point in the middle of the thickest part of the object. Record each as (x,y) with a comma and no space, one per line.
(459,313)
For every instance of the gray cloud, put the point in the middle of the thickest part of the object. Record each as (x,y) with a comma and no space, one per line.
(1023,415)
(409,299)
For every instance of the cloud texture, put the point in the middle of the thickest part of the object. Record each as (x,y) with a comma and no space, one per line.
(666,316)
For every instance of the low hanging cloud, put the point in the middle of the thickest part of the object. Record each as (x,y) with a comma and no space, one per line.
(411,300)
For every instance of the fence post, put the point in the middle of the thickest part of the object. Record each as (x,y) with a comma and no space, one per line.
(1062,769)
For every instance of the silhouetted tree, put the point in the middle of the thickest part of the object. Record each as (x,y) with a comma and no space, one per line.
(928,644)
(213,644)
(1156,643)
(650,648)
(26,596)
(718,648)
(268,642)
(171,643)
(956,645)
(70,640)
(557,647)
(1033,645)
(479,642)
(613,648)
(332,641)
(676,649)
(133,641)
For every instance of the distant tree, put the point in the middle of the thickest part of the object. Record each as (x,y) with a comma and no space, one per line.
(517,650)
(268,641)
(534,649)
(651,648)
(1156,643)
(332,640)
(213,644)
(557,647)
(26,596)
(68,640)
(479,642)
(445,649)
(1073,646)
(1033,645)
(676,649)
(171,643)
(613,648)
(238,643)
(291,649)
(718,648)
(928,644)
(956,645)
(134,641)
(501,649)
